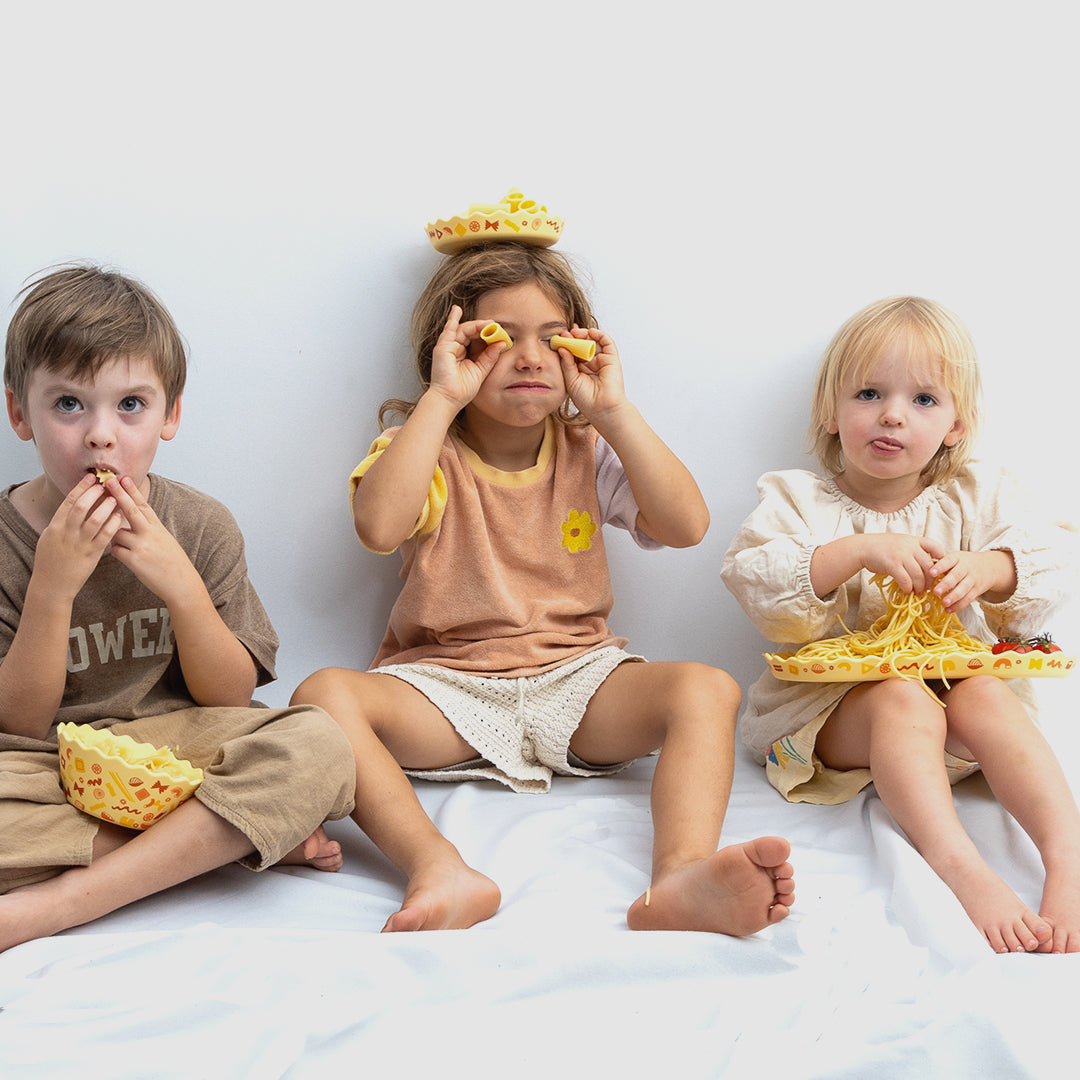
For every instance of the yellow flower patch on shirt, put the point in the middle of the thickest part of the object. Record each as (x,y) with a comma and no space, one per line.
(577,531)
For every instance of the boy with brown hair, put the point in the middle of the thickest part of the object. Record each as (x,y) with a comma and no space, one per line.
(125,603)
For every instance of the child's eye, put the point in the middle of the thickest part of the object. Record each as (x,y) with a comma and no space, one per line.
(67,404)
(131,404)
(866,395)
(925,399)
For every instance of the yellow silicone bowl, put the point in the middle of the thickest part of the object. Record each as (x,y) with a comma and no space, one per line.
(515,218)
(116,779)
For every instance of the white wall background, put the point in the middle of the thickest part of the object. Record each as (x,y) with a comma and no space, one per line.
(738,178)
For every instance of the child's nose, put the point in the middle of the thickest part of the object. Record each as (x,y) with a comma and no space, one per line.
(527,352)
(892,414)
(100,432)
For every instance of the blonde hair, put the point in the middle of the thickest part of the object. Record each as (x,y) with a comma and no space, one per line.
(76,319)
(862,341)
(463,278)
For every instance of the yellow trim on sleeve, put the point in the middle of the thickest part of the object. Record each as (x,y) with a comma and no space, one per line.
(434,505)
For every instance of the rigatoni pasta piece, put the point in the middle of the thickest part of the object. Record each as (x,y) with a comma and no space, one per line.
(579,348)
(493,332)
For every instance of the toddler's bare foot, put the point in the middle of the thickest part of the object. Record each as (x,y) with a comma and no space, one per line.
(1005,921)
(1060,907)
(738,891)
(445,898)
(318,851)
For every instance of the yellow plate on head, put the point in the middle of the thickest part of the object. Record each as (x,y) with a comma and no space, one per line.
(116,779)
(957,665)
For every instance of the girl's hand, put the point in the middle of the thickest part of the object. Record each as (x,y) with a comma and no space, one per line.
(458,369)
(908,560)
(595,386)
(964,576)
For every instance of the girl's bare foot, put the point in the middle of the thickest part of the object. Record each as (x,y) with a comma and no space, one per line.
(738,890)
(1002,917)
(445,898)
(318,851)
(1060,907)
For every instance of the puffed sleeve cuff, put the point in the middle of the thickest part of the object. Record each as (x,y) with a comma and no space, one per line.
(1032,602)
(434,505)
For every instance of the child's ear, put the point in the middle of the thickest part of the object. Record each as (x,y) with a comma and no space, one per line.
(955,433)
(832,427)
(19,424)
(172,421)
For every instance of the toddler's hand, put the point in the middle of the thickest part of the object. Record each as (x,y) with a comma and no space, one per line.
(964,576)
(455,372)
(908,560)
(595,386)
(72,544)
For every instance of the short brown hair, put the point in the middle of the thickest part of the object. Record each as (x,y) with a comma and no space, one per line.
(75,319)
(463,278)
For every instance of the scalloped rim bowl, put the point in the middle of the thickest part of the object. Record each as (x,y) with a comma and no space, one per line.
(116,779)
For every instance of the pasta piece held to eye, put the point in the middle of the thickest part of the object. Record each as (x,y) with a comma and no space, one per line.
(493,333)
(579,348)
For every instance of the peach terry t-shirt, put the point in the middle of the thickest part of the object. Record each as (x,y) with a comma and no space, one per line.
(506,573)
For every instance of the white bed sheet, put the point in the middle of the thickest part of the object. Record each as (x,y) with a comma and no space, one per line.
(877,973)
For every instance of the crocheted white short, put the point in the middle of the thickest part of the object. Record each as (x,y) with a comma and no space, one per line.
(520,727)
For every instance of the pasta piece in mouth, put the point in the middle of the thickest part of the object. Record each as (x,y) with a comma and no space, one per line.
(104,475)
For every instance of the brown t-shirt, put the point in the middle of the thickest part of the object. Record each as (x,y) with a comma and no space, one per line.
(121,664)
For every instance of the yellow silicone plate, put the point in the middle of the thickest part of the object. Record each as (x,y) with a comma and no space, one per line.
(958,665)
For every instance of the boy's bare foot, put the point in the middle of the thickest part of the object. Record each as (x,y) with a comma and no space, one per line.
(22,920)
(318,851)
(1005,921)
(1060,907)
(450,898)
(738,891)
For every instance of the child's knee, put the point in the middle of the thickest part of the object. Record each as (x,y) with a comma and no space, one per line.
(706,690)
(717,685)
(323,688)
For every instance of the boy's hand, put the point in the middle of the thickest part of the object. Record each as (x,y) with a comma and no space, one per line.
(964,576)
(147,548)
(71,545)
(595,386)
(217,668)
(458,369)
